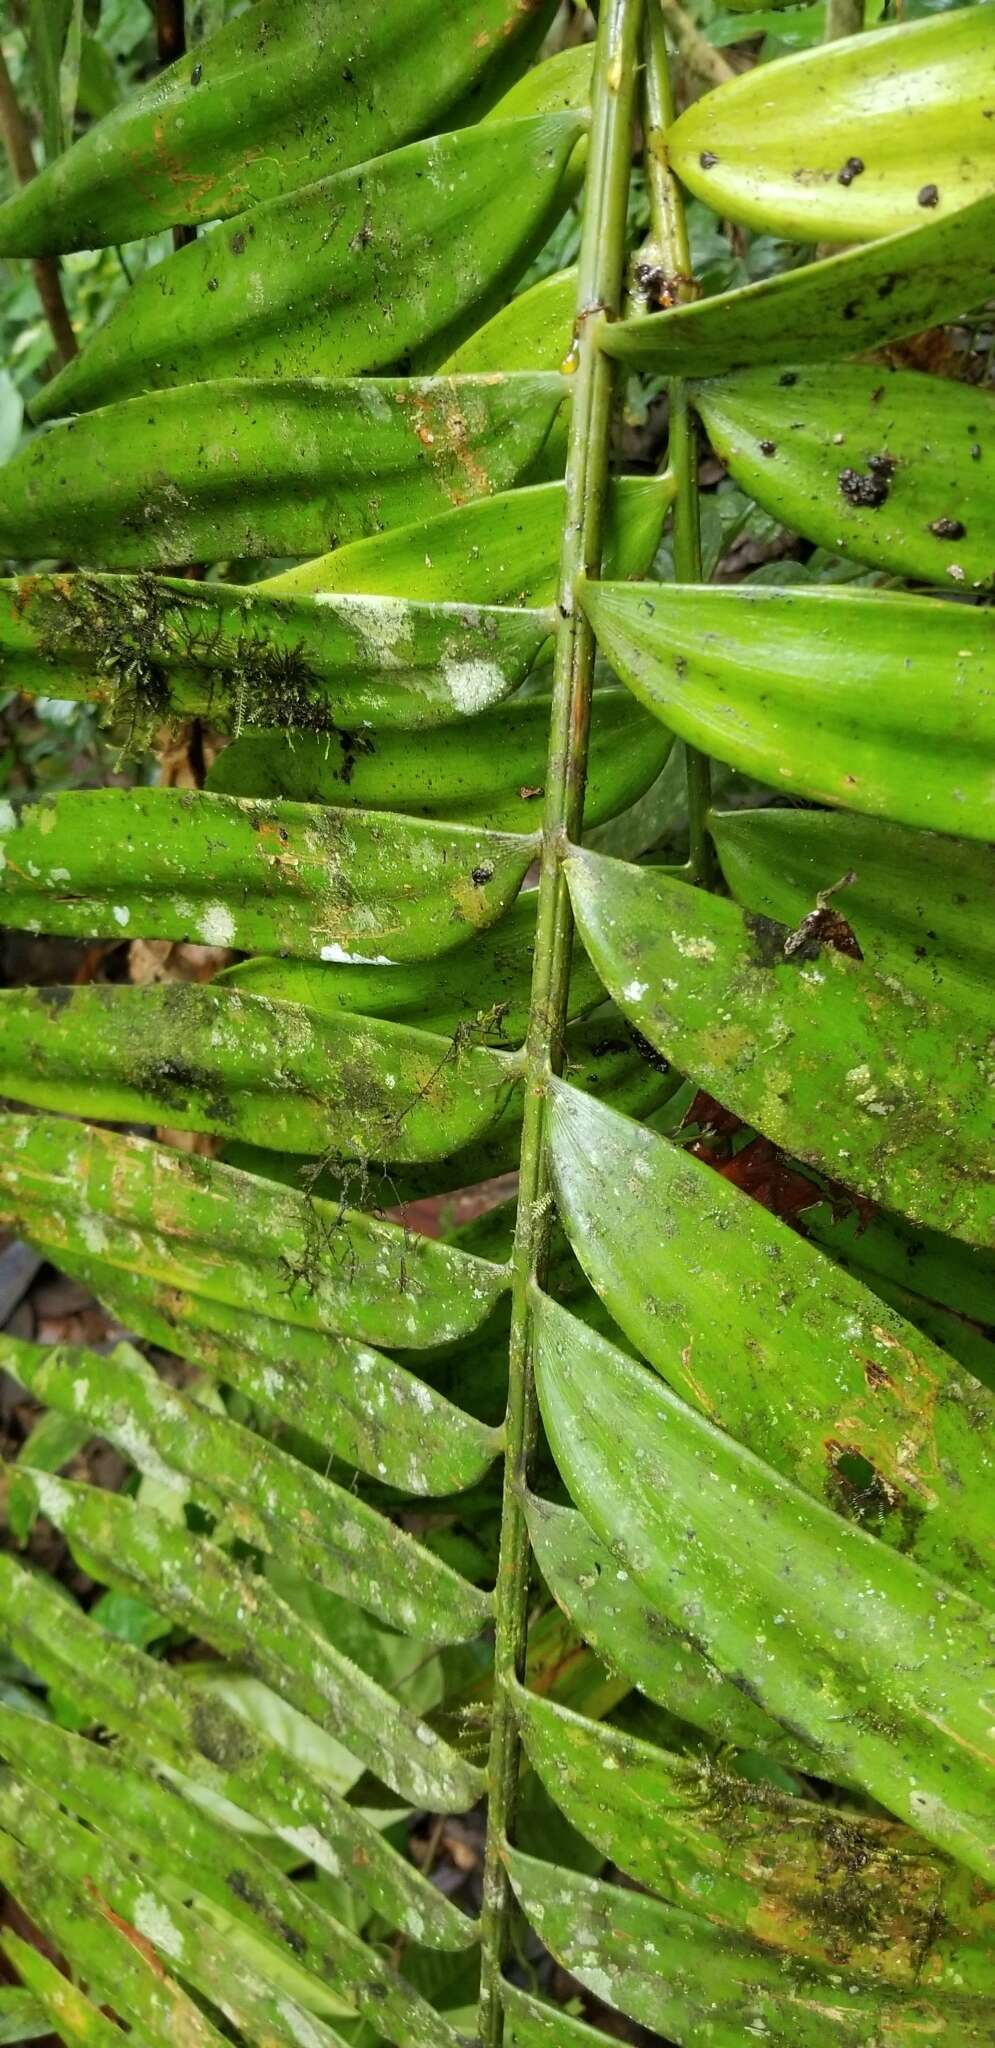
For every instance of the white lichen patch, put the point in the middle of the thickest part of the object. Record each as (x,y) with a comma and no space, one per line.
(53,1498)
(344,959)
(693,948)
(216,925)
(153,1920)
(92,1232)
(381,625)
(473,685)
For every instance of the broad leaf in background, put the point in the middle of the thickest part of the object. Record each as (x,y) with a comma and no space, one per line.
(821,1381)
(489,773)
(778,682)
(241,1241)
(271,1074)
(886,465)
(858,139)
(267,298)
(841,1066)
(898,1709)
(51,26)
(210,136)
(498,550)
(230,871)
(898,285)
(922,906)
(268,467)
(149,648)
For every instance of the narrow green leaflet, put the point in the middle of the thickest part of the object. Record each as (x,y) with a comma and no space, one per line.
(927,1262)
(532,2023)
(51,2004)
(503,550)
(51,1444)
(480,990)
(117,1962)
(350,886)
(944,1327)
(195,1730)
(304,286)
(901,284)
(782,684)
(878,1664)
(560,84)
(144,1815)
(528,2023)
(919,904)
(169,1920)
(210,136)
(272,1501)
(49,29)
(819,1378)
(246,467)
(492,776)
(192,1222)
(532,332)
(811,1879)
(150,647)
(270,1073)
(363,1407)
(845,1068)
(885,465)
(609,1610)
(864,136)
(601,1053)
(201,1588)
(671,1970)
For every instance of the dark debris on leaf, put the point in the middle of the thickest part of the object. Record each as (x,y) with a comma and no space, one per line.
(862,488)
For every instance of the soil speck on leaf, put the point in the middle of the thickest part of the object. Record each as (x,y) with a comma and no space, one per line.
(870,489)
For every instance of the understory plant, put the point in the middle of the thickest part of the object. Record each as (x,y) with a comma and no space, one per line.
(651,1511)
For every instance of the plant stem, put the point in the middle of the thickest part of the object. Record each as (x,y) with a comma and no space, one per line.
(697,53)
(599,284)
(20,156)
(843,18)
(171,33)
(171,41)
(668,225)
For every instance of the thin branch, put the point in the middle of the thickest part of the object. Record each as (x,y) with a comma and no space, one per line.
(171,33)
(843,18)
(690,44)
(668,226)
(20,156)
(171,40)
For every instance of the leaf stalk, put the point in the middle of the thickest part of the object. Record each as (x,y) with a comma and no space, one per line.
(668,226)
(599,286)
